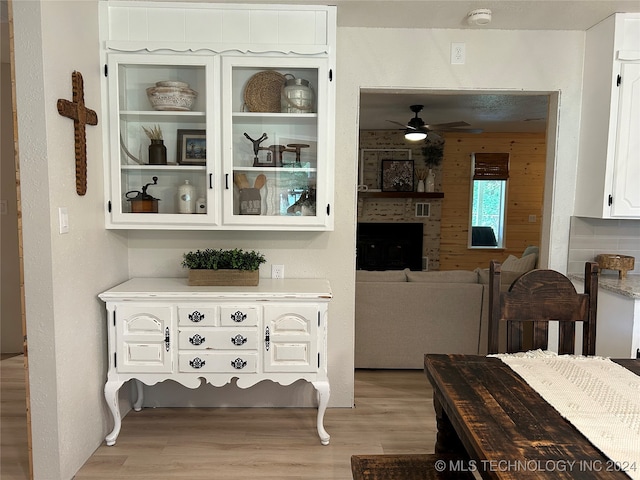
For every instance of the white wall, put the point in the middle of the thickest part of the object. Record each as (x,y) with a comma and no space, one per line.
(63,273)
(507,60)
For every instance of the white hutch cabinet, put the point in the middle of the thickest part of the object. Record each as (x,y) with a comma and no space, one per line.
(162,329)
(609,156)
(254,134)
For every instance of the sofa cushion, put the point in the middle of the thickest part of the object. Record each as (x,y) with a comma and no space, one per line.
(445,276)
(381,276)
(515,264)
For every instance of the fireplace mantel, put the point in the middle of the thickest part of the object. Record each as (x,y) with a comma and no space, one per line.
(400,194)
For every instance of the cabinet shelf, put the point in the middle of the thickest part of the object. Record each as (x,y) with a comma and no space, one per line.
(163,115)
(168,167)
(401,194)
(275,169)
(288,116)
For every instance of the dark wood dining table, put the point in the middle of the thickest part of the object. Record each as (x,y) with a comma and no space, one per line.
(500,427)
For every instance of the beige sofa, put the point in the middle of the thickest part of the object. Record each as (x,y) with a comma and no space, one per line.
(401,315)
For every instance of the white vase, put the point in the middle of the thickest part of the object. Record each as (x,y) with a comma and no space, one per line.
(431,181)
(186,197)
(420,186)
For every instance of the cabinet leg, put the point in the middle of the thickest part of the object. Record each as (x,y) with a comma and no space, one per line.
(137,405)
(111,396)
(323,390)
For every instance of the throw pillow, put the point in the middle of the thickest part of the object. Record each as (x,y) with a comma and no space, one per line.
(532,249)
(515,264)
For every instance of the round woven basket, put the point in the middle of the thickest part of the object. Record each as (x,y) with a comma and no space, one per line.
(263,90)
(612,261)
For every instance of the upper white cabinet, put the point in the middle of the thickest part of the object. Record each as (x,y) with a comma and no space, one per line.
(609,156)
(243,96)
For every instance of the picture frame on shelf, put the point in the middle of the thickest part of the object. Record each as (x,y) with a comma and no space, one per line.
(192,147)
(397,175)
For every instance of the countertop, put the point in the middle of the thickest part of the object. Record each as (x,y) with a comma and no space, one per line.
(628,287)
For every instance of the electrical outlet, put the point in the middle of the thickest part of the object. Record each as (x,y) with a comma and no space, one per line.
(277,271)
(458,53)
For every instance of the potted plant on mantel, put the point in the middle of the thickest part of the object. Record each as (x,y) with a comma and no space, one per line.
(433,153)
(212,267)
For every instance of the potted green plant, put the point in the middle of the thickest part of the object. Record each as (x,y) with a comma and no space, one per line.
(235,267)
(433,152)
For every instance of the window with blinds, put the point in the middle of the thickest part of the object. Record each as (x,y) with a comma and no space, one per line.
(490,172)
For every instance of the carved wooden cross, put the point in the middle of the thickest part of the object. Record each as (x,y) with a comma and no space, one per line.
(81,116)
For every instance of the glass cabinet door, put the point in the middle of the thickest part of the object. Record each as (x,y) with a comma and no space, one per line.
(162,140)
(275,142)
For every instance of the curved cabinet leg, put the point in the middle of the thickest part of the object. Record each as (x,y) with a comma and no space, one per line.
(137,406)
(323,390)
(111,396)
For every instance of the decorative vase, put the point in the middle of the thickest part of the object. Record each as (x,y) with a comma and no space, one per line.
(224,277)
(157,153)
(431,181)
(420,186)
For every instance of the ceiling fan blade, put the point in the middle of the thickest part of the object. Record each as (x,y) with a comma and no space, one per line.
(403,125)
(459,130)
(440,126)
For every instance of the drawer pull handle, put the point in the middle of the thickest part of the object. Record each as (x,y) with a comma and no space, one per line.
(238,363)
(238,317)
(196,340)
(238,340)
(196,316)
(267,339)
(167,339)
(197,362)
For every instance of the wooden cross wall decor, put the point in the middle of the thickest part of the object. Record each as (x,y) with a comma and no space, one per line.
(81,116)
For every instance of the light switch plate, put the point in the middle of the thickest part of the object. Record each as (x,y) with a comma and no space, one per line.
(63,218)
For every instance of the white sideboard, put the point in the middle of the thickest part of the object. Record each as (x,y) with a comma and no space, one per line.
(163,329)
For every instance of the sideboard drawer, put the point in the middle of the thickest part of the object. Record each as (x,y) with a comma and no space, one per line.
(236,362)
(197,315)
(239,315)
(220,338)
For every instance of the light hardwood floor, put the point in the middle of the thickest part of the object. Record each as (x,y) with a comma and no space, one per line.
(14,456)
(393,414)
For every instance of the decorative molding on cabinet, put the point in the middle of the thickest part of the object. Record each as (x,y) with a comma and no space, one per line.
(129,47)
(136,26)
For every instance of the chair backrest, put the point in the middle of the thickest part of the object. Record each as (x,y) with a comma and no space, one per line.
(536,298)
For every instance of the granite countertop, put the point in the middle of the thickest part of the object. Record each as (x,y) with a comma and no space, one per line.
(628,287)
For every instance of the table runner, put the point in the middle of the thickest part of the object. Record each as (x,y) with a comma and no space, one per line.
(599,397)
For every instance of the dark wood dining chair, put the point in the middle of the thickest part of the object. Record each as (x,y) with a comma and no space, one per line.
(536,298)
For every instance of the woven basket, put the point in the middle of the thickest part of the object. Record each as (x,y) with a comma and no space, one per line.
(263,90)
(612,261)
(224,277)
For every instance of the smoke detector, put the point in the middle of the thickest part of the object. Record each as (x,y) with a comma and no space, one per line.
(480,16)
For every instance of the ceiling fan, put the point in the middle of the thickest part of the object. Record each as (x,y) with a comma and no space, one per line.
(416,129)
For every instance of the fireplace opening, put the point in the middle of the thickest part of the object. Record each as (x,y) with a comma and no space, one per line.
(389,246)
